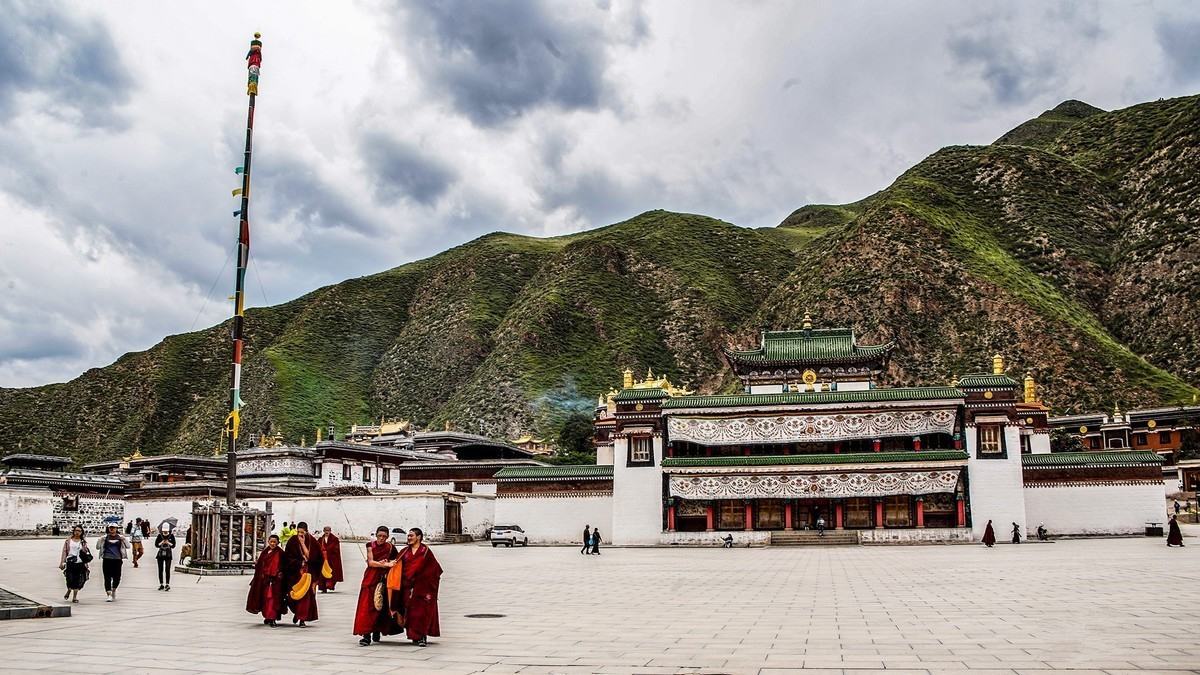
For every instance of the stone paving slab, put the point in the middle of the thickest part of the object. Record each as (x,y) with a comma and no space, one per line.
(1084,606)
(13,606)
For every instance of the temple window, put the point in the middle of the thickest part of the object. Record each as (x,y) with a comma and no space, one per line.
(641,450)
(1140,439)
(1164,437)
(317,469)
(366,474)
(731,516)
(858,512)
(897,511)
(989,439)
(387,475)
(346,472)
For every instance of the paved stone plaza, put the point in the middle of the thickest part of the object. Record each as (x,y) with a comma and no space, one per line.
(1110,605)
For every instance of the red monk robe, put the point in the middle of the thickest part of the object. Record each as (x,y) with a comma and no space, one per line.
(331,549)
(266,589)
(367,619)
(419,590)
(302,554)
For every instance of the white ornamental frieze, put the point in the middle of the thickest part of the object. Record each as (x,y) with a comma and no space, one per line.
(805,428)
(788,486)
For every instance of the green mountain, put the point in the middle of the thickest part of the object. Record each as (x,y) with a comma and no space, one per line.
(1070,245)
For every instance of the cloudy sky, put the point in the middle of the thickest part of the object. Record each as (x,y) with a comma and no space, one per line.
(387,132)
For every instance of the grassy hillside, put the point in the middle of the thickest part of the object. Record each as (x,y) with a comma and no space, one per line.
(1070,245)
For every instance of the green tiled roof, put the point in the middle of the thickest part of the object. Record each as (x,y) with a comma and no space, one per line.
(585,471)
(862,396)
(640,395)
(826,345)
(989,381)
(1071,459)
(844,458)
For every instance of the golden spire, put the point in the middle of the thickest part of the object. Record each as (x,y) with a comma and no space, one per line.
(627,378)
(649,374)
(997,365)
(807,321)
(1030,388)
(954,381)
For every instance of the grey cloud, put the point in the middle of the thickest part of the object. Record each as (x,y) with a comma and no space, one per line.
(1180,41)
(500,59)
(601,198)
(73,61)
(402,171)
(1015,69)
(289,188)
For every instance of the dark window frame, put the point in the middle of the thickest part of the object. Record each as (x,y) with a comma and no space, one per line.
(1164,437)
(366,474)
(630,460)
(979,453)
(347,472)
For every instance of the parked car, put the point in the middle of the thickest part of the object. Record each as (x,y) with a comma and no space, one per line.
(509,535)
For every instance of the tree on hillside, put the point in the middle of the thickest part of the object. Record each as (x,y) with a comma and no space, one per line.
(575,441)
(1189,445)
(1062,440)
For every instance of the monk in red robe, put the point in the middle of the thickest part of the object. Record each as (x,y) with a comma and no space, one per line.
(989,536)
(419,589)
(373,622)
(1174,534)
(302,556)
(331,551)
(266,589)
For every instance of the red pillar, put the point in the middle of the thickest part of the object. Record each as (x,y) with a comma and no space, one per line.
(962,512)
(920,512)
(879,514)
(787,516)
(746,451)
(876,444)
(671,518)
(749,516)
(708,451)
(708,514)
(958,443)
(917,443)
(837,516)
(837,447)
(671,450)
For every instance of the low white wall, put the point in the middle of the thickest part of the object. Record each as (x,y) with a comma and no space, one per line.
(715,539)
(923,535)
(158,510)
(26,511)
(555,519)
(1093,509)
(477,514)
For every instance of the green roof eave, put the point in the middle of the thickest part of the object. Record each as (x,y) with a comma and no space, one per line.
(651,394)
(561,472)
(986,381)
(824,459)
(808,398)
(1056,460)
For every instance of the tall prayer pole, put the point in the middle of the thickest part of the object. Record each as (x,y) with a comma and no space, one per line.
(233,421)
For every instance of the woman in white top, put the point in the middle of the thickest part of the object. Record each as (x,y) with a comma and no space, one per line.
(71,562)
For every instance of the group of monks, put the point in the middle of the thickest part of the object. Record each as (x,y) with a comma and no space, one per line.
(398,593)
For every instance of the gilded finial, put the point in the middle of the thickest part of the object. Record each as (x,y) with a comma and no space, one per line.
(1030,388)
(997,365)
(627,378)
(954,382)
(807,321)
(649,374)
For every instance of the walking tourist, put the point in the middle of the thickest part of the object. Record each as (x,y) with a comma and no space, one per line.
(1016,533)
(376,614)
(74,563)
(587,539)
(266,588)
(331,552)
(301,557)
(596,540)
(145,528)
(112,547)
(165,543)
(420,577)
(820,526)
(989,535)
(1176,507)
(286,532)
(1174,535)
(135,539)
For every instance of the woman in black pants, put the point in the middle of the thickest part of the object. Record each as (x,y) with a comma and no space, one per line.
(165,543)
(112,547)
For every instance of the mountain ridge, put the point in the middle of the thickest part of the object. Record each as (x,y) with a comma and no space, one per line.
(1058,245)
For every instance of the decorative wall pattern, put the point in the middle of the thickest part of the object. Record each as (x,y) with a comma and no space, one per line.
(803,428)
(257,467)
(787,486)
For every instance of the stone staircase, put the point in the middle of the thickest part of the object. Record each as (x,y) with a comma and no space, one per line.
(811,538)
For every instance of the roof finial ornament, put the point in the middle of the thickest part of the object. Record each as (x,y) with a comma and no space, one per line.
(997,365)
(1030,388)
(627,378)
(649,374)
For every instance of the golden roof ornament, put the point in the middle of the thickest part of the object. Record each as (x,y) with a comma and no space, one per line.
(627,378)
(807,321)
(997,365)
(1030,388)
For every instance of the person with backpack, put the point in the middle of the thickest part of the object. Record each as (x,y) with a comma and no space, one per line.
(165,543)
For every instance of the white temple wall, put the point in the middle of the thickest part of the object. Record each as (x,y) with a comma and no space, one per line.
(557,519)
(996,486)
(1094,509)
(483,487)
(478,513)
(604,457)
(158,510)
(351,517)
(1039,443)
(637,497)
(26,511)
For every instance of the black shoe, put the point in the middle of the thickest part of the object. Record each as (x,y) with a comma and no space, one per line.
(420,643)
(160,587)
(272,623)
(324,590)
(365,642)
(303,625)
(376,636)
(266,622)
(167,587)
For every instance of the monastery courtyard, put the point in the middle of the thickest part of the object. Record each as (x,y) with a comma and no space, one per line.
(1103,605)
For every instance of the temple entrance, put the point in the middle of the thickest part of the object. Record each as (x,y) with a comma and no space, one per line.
(453,521)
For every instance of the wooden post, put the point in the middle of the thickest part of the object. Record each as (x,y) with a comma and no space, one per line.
(837,447)
(749,514)
(876,444)
(917,443)
(920,512)
(962,511)
(879,514)
(671,518)
(787,516)
(708,514)
(837,516)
